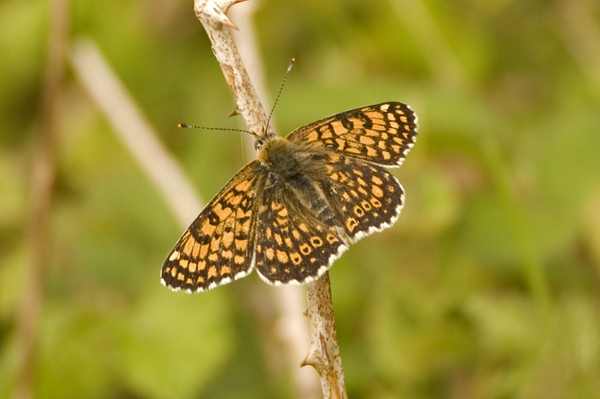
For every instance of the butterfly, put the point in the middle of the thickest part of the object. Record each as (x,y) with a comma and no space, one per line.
(293,211)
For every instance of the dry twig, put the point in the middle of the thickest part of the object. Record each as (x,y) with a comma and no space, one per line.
(43,179)
(324,354)
(133,129)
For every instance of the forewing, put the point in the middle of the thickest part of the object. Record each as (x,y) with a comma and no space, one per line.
(367,197)
(292,247)
(382,133)
(218,246)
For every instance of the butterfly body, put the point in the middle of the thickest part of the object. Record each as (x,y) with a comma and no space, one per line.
(295,209)
(286,162)
(297,172)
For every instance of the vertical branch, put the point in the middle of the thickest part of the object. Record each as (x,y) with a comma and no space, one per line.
(211,14)
(43,178)
(324,354)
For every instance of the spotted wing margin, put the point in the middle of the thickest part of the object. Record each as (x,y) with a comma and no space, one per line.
(381,133)
(366,197)
(292,247)
(218,247)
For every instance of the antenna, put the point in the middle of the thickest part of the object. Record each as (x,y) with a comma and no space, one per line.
(256,136)
(289,68)
(187,126)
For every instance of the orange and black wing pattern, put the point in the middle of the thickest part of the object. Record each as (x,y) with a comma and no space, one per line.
(292,247)
(219,245)
(382,134)
(366,197)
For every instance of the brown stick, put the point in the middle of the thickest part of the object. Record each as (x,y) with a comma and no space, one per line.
(324,354)
(211,14)
(43,177)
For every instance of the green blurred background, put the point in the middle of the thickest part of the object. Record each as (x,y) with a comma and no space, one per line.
(488,285)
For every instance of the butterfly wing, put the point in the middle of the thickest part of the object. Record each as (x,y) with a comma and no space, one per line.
(381,133)
(297,241)
(293,240)
(292,246)
(218,247)
(366,197)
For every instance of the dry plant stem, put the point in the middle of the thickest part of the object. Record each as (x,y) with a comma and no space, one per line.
(580,32)
(134,131)
(324,354)
(211,14)
(44,175)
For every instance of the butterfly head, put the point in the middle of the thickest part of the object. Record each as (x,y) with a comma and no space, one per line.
(261,139)
(290,160)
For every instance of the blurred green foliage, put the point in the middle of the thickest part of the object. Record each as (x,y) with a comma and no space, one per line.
(487,287)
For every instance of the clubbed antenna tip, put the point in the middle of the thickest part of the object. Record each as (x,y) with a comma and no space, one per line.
(291,64)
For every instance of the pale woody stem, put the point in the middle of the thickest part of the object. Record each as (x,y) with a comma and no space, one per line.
(324,353)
